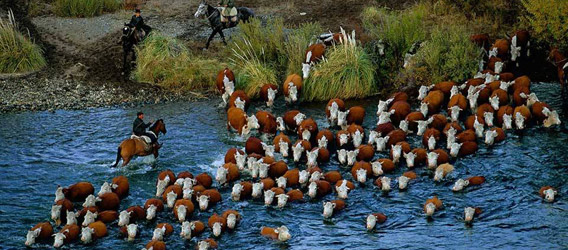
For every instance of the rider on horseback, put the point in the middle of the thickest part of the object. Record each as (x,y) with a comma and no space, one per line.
(139,129)
(228,12)
(137,22)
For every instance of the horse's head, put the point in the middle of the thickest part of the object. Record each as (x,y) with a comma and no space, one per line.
(159,126)
(555,56)
(202,9)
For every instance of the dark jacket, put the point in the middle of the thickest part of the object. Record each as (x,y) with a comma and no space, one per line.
(139,127)
(229,3)
(137,22)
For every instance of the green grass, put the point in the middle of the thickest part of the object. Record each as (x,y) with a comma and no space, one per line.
(296,44)
(85,8)
(167,62)
(17,52)
(347,73)
(548,21)
(252,72)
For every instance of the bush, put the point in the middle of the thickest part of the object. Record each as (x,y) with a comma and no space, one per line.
(85,8)
(447,55)
(17,52)
(548,19)
(166,62)
(252,72)
(347,73)
(296,44)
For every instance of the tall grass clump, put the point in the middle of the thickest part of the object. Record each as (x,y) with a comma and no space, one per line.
(17,52)
(296,44)
(167,62)
(85,8)
(252,71)
(347,73)
(548,20)
(447,55)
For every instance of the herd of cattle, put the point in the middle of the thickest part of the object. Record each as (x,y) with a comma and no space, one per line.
(451,119)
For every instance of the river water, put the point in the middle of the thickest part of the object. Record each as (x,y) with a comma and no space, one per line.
(40,150)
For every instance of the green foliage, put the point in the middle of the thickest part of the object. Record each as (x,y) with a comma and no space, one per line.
(447,55)
(167,62)
(296,44)
(85,8)
(347,73)
(17,52)
(548,19)
(252,72)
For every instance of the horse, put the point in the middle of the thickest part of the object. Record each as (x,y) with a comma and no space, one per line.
(131,147)
(130,37)
(214,16)
(561,62)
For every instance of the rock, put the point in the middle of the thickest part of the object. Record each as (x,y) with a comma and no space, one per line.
(76,72)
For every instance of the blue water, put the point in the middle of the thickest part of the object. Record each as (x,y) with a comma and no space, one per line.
(40,150)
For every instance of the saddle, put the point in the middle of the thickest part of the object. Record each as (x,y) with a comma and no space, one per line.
(144,139)
(228,12)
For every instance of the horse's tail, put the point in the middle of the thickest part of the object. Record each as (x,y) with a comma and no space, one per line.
(118,156)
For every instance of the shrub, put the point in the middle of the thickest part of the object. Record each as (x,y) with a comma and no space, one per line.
(166,62)
(347,73)
(85,8)
(296,43)
(252,72)
(548,19)
(17,52)
(447,55)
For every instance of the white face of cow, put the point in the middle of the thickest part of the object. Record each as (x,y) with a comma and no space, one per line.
(385,184)
(306,70)
(431,143)
(151,212)
(361,175)
(297,150)
(268,197)
(377,168)
(430,208)
(382,107)
(181,212)
(322,142)
(254,168)
(312,189)
(382,143)
(328,209)
(384,117)
(316,176)
(455,149)
(252,163)
(357,138)
(478,128)
(493,52)
(498,67)
(263,170)
(123,218)
(240,103)
(459,185)
(221,176)
(424,108)
(432,159)
(304,176)
(532,99)
(292,92)
(203,245)
(252,122)
(352,157)
(455,113)
(403,182)
(342,156)
(257,189)
(343,139)
(90,218)
(373,135)
(306,135)
(490,137)
(396,152)
(473,100)
(494,100)
(280,124)
(59,194)
(454,91)
(231,221)
(282,199)
(240,159)
(519,120)
(72,218)
(552,118)
(271,97)
(186,227)
(161,185)
(236,192)
(31,236)
(422,92)
(451,136)
(55,212)
(549,195)
(371,222)
(515,53)
(283,148)
(268,149)
(105,188)
(203,201)
(403,125)
(333,109)
(469,212)
(90,201)
(158,233)
(342,118)
(342,190)
(312,157)
(505,85)
(132,231)
(409,159)
(58,239)
(87,234)
(488,116)
(283,233)
(422,125)
(507,121)
(439,174)
(171,198)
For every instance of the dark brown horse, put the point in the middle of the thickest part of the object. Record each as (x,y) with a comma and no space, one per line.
(131,147)
(561,63)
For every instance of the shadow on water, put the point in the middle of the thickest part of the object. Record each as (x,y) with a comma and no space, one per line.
(41,150)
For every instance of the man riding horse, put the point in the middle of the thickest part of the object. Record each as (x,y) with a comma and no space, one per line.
(139,129)
(137,22)
(228,12)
